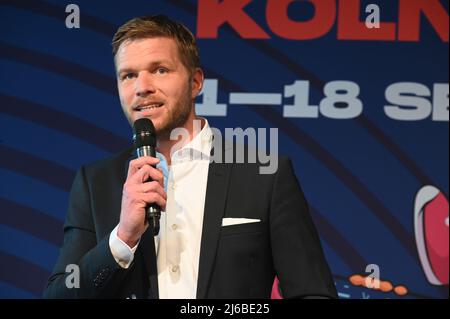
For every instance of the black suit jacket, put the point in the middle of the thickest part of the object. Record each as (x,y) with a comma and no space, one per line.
(238,261)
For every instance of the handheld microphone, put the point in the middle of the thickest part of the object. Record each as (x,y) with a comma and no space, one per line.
(144,138)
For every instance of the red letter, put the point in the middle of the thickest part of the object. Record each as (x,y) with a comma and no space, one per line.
(280,24)
(409,19)
(351,28)
(212,14)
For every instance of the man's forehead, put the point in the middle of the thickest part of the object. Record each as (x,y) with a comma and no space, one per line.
(159,48)
(148,44)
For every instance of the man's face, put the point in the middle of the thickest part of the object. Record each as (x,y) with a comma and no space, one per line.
(154,83)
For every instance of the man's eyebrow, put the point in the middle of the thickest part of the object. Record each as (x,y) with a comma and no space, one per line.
(125,70)
(158,62)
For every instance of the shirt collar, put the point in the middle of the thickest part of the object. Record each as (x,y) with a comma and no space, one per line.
(199,148)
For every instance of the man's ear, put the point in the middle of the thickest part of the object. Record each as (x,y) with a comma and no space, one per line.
(197,82)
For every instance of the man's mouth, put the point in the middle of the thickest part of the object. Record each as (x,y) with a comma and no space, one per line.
(149,106)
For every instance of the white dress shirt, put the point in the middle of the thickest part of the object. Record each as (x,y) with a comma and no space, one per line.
(178,242)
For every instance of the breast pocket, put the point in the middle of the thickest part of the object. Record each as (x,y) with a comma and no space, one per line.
(249,228)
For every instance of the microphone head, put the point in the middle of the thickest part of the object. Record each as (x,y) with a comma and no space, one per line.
(144,133)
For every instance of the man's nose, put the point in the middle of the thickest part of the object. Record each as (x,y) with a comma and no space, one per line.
(144,84)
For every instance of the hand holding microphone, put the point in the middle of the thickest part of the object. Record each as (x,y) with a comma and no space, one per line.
(143,192)
(144,138)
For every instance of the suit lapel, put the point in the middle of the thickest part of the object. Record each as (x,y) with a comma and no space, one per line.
(216,194)
(132,156)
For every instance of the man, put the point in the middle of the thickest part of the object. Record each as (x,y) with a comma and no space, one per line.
(226,230)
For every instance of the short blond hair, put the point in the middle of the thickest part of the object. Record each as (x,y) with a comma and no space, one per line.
(160,26)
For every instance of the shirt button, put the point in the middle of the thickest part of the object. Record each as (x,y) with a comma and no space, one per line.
(175,268)
(174,227)
(173,186)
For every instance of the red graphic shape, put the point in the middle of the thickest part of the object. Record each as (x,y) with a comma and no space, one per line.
(432,234)
(275,290)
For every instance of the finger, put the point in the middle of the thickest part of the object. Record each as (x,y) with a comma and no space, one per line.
(153,186)
(144,174)
(162,176)
(137,163)
(156,175)
(154,198)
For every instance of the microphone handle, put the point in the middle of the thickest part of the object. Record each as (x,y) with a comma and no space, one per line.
(153,211)
(152,216)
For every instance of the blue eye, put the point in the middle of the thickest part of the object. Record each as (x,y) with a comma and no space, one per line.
(128,76)
(161,70)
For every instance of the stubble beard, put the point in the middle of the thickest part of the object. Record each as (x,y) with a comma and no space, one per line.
(177,116)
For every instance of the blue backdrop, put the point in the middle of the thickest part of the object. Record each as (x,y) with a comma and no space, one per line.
(363,114)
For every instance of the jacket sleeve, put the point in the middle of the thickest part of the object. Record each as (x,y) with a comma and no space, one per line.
(297,253)
(85,267)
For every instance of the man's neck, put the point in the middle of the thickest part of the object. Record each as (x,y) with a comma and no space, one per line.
(165,145)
